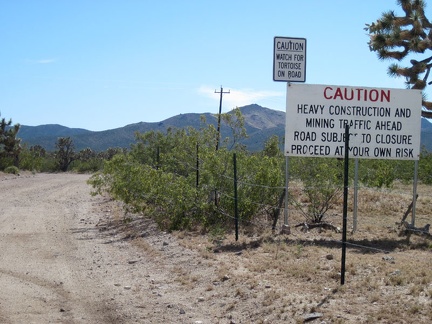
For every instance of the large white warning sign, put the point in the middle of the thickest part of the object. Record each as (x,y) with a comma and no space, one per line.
(383,123)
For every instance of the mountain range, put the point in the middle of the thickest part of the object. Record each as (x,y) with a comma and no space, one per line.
(260,123)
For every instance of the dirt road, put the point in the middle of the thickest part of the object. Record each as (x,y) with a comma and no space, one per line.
(57,266)
(48,253)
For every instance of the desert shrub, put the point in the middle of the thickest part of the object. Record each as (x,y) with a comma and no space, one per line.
(88,166)
(32,158)
(182,181)
(322,180)
(425,167)
(11,170)
(377,173)
(5,162)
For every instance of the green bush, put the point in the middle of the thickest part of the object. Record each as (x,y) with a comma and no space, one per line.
(5,162)
(30,161)
(11,170)
(89,166)
(322,180)
(179,179)
(425,167)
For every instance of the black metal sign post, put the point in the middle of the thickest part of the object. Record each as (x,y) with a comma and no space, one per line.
(345,204)
(236,218)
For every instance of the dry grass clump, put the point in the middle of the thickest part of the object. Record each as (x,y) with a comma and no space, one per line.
(148,248)
(373,201)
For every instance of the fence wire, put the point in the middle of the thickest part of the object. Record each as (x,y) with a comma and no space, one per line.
(294,187)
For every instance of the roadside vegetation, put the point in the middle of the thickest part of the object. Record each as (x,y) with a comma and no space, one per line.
(183,182)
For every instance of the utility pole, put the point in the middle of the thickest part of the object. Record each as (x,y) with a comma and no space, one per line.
(219,116)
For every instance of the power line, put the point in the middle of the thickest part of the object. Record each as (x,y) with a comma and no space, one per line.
(219,116)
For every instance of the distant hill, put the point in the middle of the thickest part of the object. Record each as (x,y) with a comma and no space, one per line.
(426,134)
(260,123)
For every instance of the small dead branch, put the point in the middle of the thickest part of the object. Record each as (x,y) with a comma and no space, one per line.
(407,212)
(409,229)
(322,225)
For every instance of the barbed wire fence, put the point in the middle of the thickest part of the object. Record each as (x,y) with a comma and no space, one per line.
(264,208)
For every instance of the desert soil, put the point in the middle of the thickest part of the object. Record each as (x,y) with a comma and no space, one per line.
(69,257)
(59,266)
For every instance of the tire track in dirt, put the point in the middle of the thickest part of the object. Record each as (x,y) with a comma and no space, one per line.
(43,270)
(67,257)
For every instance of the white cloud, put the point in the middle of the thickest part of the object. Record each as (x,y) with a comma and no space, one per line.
(45,61)
(242,97)
(41,61)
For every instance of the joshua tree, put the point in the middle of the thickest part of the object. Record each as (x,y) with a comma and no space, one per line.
(65,153)
(396,37)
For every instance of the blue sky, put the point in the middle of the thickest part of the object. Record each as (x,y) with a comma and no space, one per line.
(103,64)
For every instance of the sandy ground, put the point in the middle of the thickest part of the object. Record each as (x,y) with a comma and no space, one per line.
(69,257)
(58,266)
